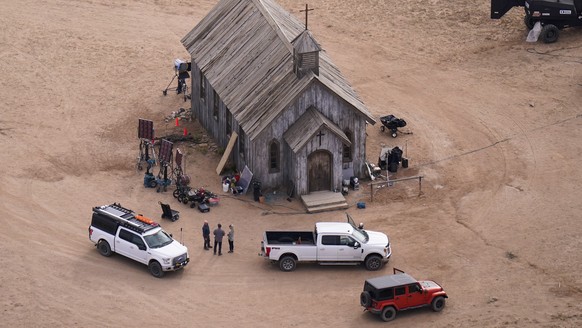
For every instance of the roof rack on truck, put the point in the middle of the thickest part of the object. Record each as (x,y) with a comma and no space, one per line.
(126,217)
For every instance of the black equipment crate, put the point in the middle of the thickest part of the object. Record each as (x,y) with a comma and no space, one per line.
(203,208)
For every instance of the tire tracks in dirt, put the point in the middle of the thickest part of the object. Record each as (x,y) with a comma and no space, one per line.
(567,286)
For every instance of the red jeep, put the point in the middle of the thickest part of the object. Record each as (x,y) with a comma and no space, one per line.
(388,294)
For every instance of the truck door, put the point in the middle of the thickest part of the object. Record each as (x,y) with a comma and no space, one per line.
(128,244)
(347,251)
(327,249)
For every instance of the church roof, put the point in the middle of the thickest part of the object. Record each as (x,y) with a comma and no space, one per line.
(244,49)
(307,126)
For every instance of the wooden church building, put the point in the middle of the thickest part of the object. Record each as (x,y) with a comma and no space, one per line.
(258,72)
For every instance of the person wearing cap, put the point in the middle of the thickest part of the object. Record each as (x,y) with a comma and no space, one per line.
(206,235)
(231,238)
(218,234)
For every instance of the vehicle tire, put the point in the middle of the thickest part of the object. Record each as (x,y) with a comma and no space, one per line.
(382,128)
(193,205)
(176,193)
(528,21)
(388,313)
(373,263)
(287,263)
(104,248)
(156,269)
(437,304)
(365,299)
(153,184)
(550,33)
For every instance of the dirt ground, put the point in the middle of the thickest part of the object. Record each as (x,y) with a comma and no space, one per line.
(496,128)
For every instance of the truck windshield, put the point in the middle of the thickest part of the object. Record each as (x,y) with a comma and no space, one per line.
(159,239)
(360,235)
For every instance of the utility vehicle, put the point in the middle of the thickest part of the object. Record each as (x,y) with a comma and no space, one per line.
(553,15)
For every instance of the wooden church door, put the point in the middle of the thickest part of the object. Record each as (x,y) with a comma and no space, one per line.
(319,166)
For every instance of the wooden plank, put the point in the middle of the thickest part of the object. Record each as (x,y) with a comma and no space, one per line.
(325,208)
(320,198)
(227,152)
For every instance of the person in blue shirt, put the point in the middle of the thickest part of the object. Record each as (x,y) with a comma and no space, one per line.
(206,235)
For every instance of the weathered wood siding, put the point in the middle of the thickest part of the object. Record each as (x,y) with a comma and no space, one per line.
(203,110)
(294,167)
(244,50)
(195,89)
(332,144)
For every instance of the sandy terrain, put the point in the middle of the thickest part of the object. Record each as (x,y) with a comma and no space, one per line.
(496,128)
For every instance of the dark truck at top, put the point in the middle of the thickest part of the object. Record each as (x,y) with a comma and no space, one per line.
(553,15)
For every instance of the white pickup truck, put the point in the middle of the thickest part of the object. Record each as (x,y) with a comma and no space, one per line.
(330,243)
(115,229)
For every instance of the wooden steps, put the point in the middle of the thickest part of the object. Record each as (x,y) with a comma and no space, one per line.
(321,201)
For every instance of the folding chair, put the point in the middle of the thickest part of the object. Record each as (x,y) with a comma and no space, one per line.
(169,213)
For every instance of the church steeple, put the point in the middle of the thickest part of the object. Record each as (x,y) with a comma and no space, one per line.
(305,54)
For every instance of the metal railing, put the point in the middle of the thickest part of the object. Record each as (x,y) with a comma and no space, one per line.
(375,185)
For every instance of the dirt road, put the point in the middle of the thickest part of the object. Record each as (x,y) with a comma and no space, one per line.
(496,128)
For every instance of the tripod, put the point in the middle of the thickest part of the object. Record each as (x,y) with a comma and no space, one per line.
(144,155)
(182,85)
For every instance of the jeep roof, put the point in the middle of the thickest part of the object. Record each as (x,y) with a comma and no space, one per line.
(393,280)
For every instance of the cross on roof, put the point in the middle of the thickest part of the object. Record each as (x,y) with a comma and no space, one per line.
(306,11)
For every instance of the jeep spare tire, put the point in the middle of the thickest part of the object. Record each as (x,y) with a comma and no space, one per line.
(438,303)
(156,269)
(388,313)
(365,299)
(104,248)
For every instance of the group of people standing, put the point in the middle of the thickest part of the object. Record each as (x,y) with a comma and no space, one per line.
(218,235)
